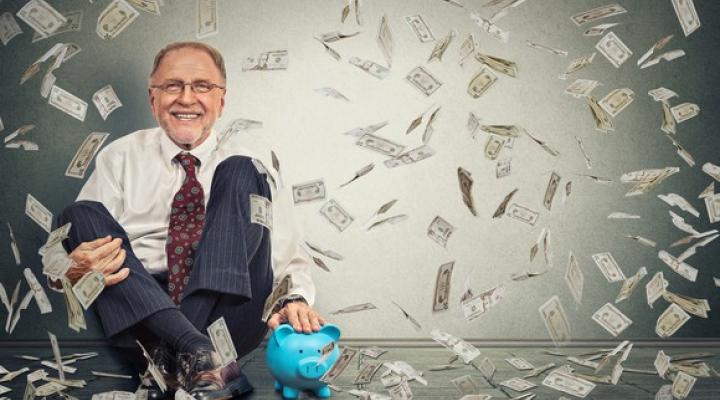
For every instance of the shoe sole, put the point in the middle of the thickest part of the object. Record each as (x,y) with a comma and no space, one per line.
(238,387)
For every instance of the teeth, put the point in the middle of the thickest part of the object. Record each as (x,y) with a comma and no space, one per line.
(186,116)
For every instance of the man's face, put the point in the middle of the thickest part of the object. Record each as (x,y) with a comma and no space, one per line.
(187,117)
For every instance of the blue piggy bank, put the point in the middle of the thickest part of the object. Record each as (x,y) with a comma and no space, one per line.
(295,359)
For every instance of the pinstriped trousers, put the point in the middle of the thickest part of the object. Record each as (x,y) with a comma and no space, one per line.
(232,261)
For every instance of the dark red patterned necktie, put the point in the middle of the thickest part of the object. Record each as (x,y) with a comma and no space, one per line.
(187,217)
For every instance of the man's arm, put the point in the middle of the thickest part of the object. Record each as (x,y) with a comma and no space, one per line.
(290,258)
(103,254)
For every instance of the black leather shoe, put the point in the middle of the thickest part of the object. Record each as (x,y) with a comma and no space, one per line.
(205,379)
(166,364)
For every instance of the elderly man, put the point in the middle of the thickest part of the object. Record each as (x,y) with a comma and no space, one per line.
(168,217)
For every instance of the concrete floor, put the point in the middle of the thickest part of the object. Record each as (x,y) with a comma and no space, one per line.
(633,385)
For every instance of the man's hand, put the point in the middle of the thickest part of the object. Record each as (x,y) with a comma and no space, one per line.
(300,315)
(105,255)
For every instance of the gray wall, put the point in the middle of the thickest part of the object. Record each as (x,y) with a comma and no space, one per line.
(398,262)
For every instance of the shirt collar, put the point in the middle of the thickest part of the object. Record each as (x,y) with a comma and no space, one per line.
(169,149)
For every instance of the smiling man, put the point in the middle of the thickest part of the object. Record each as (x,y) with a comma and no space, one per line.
(168,217)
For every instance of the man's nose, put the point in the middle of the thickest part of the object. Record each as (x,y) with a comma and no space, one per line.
(187,96)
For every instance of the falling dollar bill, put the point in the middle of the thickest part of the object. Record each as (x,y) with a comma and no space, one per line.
(685,111)
(630,284)
(115,18)
(354,308)
(42,17)
(503,168)
(613,49)
(420,28)
(423,80)
(9,28)
(490,27)
(40,296)
(577,64)
(442,287)
(73,23)
(38,213)
(672,319)
(683,383)
(67,103)
(523,214)
(555,319)
(207,18)
(336,215)
(106,101)
(466,182)
(85,154)
(551,50)
(222,341)
(464,349)
(331,92)
(465,384)
(441,46)
(439,231)
(385,40)
(261,211)
(617,100)
(600,29)
(308,191)
(411,156)
(493,146)
(574,278)
(582,87)
(597,13)
(518,384)
(519,363)
(481,82)
(685,270)
(380,145)
(76,318)
(346,355)
(477,305)
(611,319)
(609,267)
(13,245)
(267,61)
(568,383)
(687,15)
(370,67)
(500,211)
(279,292)
(89,287)
(552,186)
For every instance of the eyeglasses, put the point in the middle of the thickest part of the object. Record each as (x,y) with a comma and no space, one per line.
(176,87)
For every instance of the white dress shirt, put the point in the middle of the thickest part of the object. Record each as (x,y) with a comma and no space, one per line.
(135,179)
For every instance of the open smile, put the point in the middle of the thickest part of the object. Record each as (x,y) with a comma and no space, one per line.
(186,116)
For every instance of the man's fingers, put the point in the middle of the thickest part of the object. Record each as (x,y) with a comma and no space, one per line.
(95,243)
(274,321)
(117,277)
(106,249)
(304,314)
(113,265)
(293,317)
(315,321)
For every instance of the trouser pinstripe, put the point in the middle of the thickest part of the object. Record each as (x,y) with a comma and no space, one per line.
(232,262)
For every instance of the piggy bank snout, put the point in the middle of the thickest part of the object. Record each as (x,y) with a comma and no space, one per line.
(312,368)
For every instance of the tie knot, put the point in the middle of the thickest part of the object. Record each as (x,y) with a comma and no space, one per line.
(187,161)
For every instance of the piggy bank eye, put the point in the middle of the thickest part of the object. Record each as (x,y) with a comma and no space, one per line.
(300,351)
(318,351)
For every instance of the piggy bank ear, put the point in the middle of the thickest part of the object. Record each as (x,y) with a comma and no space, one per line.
(331,330)
(282,332)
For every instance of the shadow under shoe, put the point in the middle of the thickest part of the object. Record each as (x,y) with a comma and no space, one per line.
(166,364)
(205,379)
